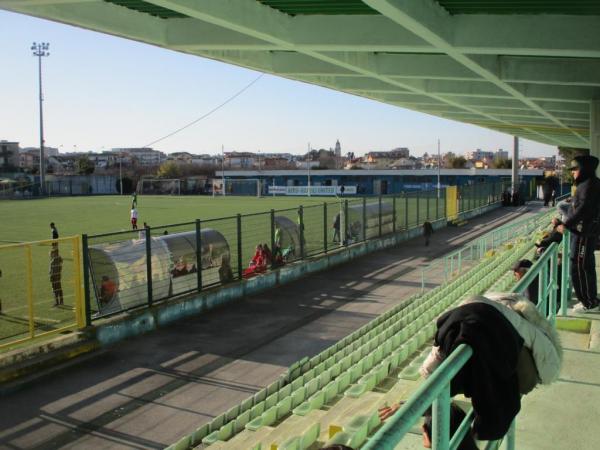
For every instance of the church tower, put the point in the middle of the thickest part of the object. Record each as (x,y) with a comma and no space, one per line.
(338,148)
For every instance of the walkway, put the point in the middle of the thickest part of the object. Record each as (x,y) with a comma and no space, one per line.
(147,392)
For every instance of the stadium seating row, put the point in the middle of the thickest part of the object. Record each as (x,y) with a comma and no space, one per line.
(360,361)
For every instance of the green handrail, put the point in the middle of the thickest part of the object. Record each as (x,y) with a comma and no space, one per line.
(435,391)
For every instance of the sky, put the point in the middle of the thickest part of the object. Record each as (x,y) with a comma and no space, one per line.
(102,91)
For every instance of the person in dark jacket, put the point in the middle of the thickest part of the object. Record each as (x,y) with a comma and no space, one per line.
(519,270)
(427,231)
(583,221)
(490,376)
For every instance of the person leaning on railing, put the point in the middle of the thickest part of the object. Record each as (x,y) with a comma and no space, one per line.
(514,349)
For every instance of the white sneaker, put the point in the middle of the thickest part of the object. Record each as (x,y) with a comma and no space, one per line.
(580,309)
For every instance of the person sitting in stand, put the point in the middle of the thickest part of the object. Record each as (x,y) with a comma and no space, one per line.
(268,256)
(180,268)
(108,289)
(257,263)
(225,272)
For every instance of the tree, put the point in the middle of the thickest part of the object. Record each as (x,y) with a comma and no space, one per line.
(169,169)
(458,162)
(83,166)
(502,163)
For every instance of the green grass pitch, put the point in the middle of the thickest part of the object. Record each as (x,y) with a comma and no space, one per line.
(28,220)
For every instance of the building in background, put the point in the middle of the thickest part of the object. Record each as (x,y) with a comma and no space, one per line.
(143,156)
(9,156)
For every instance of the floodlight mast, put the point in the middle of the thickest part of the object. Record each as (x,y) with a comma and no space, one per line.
(40,50)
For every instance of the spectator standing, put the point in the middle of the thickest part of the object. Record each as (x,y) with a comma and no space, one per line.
(583,221)
(55,273)
(342,190)
(336,229)
(427,231)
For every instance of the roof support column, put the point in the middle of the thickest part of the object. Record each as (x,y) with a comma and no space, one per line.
(595,128)
(515,165)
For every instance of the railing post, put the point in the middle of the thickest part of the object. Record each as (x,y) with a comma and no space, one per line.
(418,209)
(511,436)
(553,288)
(437,204)
(30,305)
(301,225)
(441,420)
(79,306)
(406,211)
(86,280)
(565,286)
(394,214)
(272,220)
(364,218)
(379,216)
(198,255)
(427,206)
(148,238)
(239,244)
(325,227)
(346,222)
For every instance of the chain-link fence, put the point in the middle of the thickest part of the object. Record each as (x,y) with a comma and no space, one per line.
(129,269)
(40,289)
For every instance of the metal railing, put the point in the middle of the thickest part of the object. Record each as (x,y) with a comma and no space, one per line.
(435,391)
(40,289)
(142,267)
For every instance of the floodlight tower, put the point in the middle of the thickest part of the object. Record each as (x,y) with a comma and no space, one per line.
(39,50)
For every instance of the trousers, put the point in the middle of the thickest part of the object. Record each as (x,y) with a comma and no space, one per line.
(583,269)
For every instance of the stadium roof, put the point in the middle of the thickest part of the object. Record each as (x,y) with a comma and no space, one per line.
(529,67)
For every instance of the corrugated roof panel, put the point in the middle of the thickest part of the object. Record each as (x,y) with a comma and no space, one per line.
(306,7)
(571,7)
(147,8)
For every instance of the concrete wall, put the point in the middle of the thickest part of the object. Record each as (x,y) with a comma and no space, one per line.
(113,330)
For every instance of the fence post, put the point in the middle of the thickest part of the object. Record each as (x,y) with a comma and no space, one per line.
(345,222)
(441,420)
(565,288)
(272,218)
(406,211)
(86,280)
(301,225)
(148,238)
(418,209)
(427,206)
(437,204)
(239,245)
(364,218)
(79,307)
(394,214)
(325,227)
(198,254)
(380,216)
(30,290)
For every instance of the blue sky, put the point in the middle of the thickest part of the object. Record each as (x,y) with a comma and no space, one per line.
(102,92)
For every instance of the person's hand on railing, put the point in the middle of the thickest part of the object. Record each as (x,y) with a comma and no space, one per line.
(388,411)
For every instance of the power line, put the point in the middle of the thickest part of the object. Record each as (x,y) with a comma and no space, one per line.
(237,94)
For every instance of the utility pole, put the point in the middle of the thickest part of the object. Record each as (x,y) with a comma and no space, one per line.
(121,171)
(515,165)
(40,50)
(439,185)
(308,163)
(223,169)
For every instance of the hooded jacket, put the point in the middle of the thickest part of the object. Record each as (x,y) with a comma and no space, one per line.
(585,208)
(538,335)
(489,377)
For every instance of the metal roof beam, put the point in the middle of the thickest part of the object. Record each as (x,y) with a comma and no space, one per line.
(261,22)
(428,20)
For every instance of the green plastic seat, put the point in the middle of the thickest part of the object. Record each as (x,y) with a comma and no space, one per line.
(298,396)
(346,363)
(331,390)
(241,421)
(335,370)
(269,416)
(312,386)
(381,371)
(368,362)
(324,379)
(284,407)
(226,432)
(284,391)
(314,402)
(271,400)
(260,396)
(257,410)
(297,383)
(358,423)
(246,404)
(217,423)
(356,372)
(272,388)
(291,444)
(342,437)
(211,438)
(232,413)
(199,434)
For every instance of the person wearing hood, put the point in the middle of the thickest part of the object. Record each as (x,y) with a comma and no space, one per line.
(583,220)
